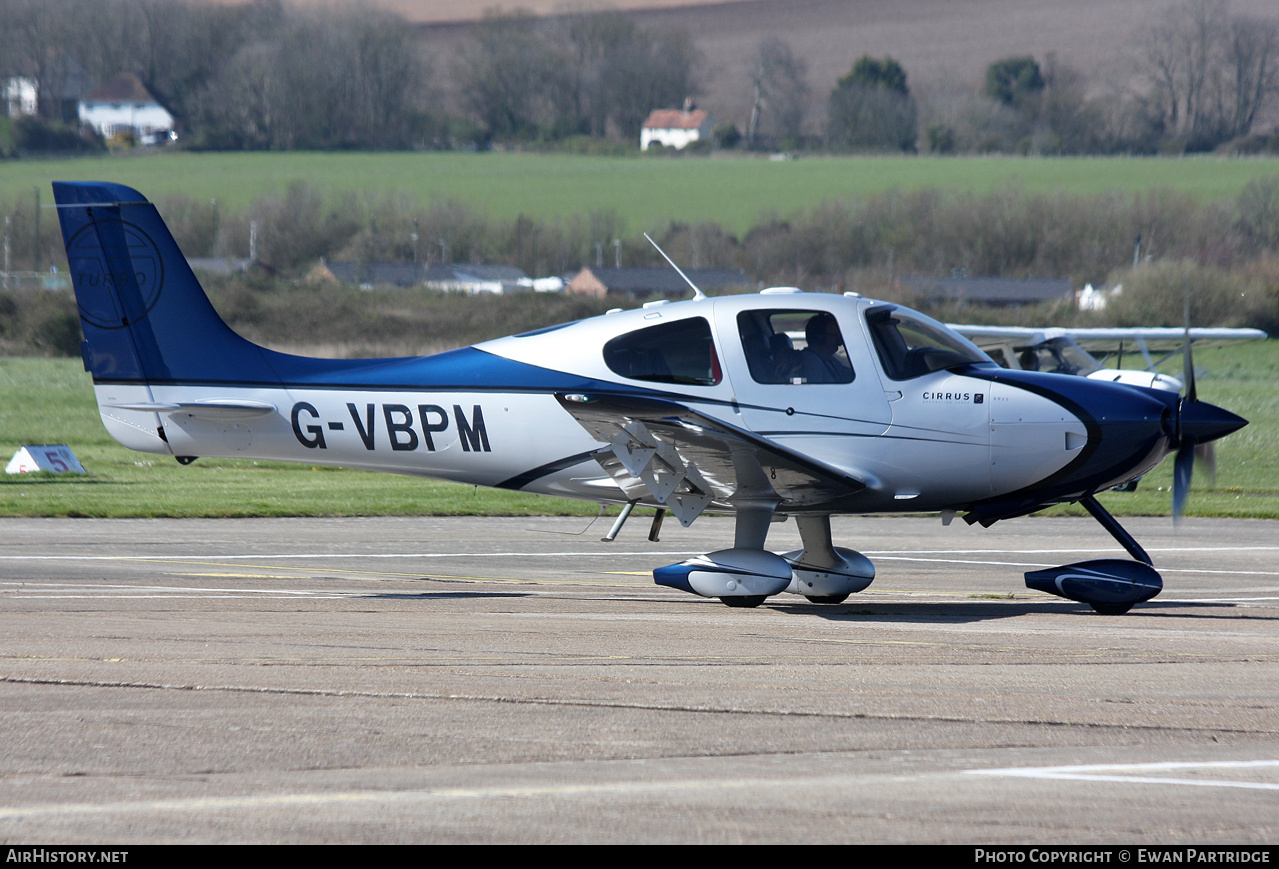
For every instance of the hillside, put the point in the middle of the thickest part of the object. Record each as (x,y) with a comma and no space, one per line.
(945,45)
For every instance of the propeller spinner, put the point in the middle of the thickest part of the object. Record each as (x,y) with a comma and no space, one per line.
(1198,424)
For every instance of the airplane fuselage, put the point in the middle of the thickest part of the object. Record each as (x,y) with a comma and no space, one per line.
(924,440)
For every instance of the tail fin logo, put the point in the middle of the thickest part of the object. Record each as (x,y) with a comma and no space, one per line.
(118,272)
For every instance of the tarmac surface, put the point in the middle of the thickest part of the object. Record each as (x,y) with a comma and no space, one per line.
(516,680)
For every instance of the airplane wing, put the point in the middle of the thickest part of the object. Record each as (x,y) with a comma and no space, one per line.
(980,335)
(1108,340)
(1158,340)
(687,461)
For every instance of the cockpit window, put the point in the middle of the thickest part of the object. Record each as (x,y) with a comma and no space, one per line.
(678,352)
(910,347)
(783,346)
(1057,356)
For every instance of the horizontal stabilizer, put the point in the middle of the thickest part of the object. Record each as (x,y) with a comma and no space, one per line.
(216,408)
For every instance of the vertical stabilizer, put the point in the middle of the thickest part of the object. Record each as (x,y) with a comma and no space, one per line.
(145,317)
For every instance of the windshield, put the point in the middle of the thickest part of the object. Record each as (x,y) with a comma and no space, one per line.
(1057,356)
(910,345)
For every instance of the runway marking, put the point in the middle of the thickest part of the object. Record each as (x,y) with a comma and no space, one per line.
(90,590)
(1108,773)
(532,554)
(615,788)
(931,557)
(204,804)
(243,575)
(34,591)
(1020,564)
(1216,599)
(310,570)
(604,553)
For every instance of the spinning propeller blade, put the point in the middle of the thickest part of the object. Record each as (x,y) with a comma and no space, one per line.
(1198,424)
(1185,463)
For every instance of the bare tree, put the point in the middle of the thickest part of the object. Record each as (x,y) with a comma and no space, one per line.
(1182,52)
(508,74)
(34,42)
(1253,57)
(589,73)
(653,70)
(177,46)
(780,83)
(590,41)
(239,109)
(1211,73)
(322,78)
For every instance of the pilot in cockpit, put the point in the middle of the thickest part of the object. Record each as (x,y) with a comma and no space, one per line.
(819,362)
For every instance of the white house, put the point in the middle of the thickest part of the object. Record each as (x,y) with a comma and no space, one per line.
(675,128)
(20,96)
(124,105)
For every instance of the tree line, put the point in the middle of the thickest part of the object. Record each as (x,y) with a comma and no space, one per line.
(266,75)
(1008,232)
(1224,252)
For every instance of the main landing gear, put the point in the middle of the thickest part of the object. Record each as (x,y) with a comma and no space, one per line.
(747,574)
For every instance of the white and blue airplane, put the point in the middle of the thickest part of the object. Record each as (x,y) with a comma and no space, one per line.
(705,405)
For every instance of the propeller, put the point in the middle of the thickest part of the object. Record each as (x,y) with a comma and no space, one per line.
(1198,424)
(1184,468)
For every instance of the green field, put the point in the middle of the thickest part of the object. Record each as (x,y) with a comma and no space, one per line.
(51,401)
(733,190)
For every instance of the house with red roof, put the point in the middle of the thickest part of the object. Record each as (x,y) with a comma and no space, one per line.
(676,128)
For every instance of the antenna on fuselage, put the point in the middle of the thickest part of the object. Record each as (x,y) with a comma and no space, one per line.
(697,294)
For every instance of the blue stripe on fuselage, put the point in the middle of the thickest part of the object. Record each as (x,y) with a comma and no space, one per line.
(467,369)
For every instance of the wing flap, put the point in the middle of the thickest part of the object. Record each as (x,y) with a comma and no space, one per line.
(688,462)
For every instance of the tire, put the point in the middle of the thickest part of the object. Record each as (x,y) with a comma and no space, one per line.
(826,598)
(746,602)
(1111,609)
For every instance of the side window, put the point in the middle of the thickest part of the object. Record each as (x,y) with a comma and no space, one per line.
(678,352)
(797,347)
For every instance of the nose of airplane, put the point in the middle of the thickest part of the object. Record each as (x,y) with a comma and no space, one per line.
(1201,422)
(1134,429)
(1130,430)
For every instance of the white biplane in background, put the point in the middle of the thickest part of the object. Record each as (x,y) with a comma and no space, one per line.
(1074,351)
(705,405)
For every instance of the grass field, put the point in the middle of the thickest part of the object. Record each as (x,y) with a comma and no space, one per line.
(51,401)
(647,191)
